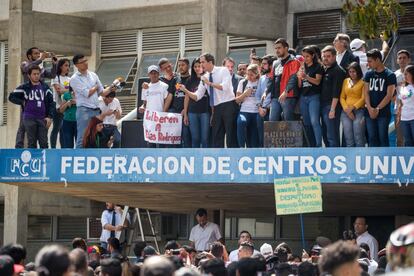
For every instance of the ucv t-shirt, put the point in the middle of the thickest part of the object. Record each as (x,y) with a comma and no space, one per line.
(378,84)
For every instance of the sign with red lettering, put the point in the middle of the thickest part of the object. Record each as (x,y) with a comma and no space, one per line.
(162,127)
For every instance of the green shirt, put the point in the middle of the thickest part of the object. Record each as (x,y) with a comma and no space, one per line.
(70,112)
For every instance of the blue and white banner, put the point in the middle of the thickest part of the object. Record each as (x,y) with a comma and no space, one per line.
(339,165)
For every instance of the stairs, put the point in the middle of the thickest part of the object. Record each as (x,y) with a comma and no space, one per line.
(130,80)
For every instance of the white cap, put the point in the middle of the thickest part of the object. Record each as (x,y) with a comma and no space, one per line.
(153,68)
(266,250)
(356,44)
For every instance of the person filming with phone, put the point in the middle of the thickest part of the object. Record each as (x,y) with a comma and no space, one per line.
(112,111)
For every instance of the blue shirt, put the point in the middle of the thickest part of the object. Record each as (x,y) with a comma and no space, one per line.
(81,84)
(378,85)
(261,89)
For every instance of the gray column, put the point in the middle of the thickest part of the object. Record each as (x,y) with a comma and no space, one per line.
(214,39)
(20,39)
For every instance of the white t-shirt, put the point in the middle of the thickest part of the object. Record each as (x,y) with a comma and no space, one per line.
(249,104)
(363,60)
(114,105)
(63,81)
(155,95)
(400,83)
(204,237)
(407,98)
(372,243)
(234,255)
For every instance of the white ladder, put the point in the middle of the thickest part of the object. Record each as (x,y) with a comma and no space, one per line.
(136,223)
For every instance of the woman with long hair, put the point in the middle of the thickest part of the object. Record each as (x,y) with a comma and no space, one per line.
(310,77)
(352,101)
(60,86)
(94,137)
(67,106)
(247,131)
(198,117)
(407,106)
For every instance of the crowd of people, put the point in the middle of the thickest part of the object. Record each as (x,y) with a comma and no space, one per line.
(339,86)
(356,254)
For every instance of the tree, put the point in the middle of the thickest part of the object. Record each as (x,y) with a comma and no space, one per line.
(373,17)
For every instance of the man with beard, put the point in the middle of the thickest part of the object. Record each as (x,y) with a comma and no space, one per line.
(284,85)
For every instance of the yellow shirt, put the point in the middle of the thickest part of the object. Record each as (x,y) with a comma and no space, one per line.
(352,95)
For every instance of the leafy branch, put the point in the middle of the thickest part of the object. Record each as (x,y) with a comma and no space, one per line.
(373,18)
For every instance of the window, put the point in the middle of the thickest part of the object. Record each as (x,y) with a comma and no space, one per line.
(183,226)
(257,227)
(314,226)
(192,55)
(39,228)
(227,228)
(152,59)
(110,69)
(243,55)
(70,227)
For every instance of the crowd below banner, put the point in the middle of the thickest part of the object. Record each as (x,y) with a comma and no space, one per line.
(356,254)
(340,86)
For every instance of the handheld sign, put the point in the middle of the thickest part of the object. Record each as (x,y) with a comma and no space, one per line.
(162,127)
(298,195)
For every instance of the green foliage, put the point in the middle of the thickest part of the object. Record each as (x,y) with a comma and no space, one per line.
(373,18)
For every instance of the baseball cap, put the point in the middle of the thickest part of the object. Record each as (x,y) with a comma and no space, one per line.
(6,265)
(266,250)
(149,251)
(356,44)
(94,250)
(153,68)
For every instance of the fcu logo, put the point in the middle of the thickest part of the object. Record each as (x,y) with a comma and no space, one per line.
(26,165)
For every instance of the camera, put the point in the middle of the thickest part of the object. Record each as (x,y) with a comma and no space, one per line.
(175,251)
(119,83)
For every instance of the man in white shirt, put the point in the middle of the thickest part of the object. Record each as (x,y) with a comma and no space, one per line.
(361,230)
(217,82)
(111,107)
(87,88)
(205,233)
(111,221)
(244,236)
(403,60)
(154,93)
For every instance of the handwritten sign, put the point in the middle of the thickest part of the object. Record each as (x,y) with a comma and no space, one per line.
(298,195)
(162,127)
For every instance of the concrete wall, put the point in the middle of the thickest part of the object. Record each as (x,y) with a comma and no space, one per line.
(261,18)
(148,17)
(63,34)
(4,30)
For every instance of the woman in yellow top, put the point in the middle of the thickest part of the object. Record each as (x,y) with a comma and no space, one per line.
(353,102)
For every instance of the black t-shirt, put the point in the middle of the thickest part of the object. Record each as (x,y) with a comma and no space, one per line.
(178,95)
(332,83)
(202,106)
(309,89)
(278,76)
(378,85)
(171,89)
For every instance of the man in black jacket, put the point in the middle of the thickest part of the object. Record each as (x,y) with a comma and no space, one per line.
(344,56)
(36,99)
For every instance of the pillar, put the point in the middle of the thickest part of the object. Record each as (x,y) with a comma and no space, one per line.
(214,40)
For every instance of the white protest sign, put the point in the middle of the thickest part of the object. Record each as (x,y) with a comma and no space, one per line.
(162,127)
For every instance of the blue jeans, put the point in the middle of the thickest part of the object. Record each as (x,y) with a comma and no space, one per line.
(199,129)
(408,132)
(310,110)
(331,126)
(354,130)
(111,130)
(260,128)
(377,131)
(83,116)
(247,133)
(69,134)
(57,129)
(288,109)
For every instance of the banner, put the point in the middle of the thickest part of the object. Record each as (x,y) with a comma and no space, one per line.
(392,166)
(162,127)
(298,195)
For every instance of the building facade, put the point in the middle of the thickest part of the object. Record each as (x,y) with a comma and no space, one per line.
(121,39)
